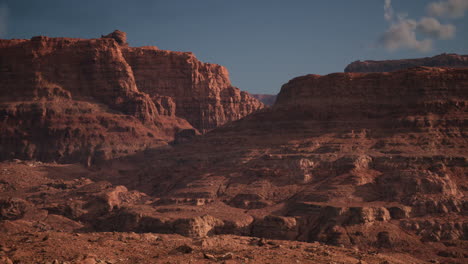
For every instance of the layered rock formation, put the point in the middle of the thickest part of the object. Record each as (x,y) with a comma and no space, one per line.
(368,161)
(345,159)
(202,92)
(442,60)
(71,100)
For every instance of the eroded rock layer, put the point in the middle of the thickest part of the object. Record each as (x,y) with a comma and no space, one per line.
(365,160)
(70,100)
(202,92)
(442,60)
(369,162)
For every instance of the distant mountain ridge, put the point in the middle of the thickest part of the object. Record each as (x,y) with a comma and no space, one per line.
(442,60)
(267,99)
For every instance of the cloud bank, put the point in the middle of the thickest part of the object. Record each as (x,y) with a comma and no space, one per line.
(431,27)
(403,35)
(419,35)
(449,8)
(3,19)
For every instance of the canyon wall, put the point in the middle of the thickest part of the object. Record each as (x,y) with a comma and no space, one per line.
(347,159)
(372,162)
(73,100)
(416,91)
(202,92)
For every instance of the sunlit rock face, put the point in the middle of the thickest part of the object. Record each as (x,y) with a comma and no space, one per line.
(202,92)
(83,100)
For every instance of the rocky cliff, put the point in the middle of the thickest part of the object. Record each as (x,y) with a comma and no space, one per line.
(372,160)
(202,92)
(442,60)
(81,100)
(383,97)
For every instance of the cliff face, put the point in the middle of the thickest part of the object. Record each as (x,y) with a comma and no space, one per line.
(372,161)
(202,92)
(334,156)
(79,99)
(349,96)
(74,100)
(65,68)
(442,60)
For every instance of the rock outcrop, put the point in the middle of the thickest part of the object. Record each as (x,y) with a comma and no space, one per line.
(119,36)
(442,60)
(86,100)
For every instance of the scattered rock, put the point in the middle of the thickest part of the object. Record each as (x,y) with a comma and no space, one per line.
(226,256)
(450,254)
(209,256)
(261,242)
(5,260)
(383,239)
(12,208)
(185,249)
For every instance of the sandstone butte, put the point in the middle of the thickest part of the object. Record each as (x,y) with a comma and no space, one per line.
(372,164)
(86,100)
(442,60)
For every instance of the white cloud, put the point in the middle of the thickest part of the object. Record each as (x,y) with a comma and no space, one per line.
(388,10)
(403,35)
(3,19)
(432,27)
(406,33)
(449,8)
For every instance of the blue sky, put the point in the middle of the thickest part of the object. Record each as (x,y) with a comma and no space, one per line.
(262,43)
